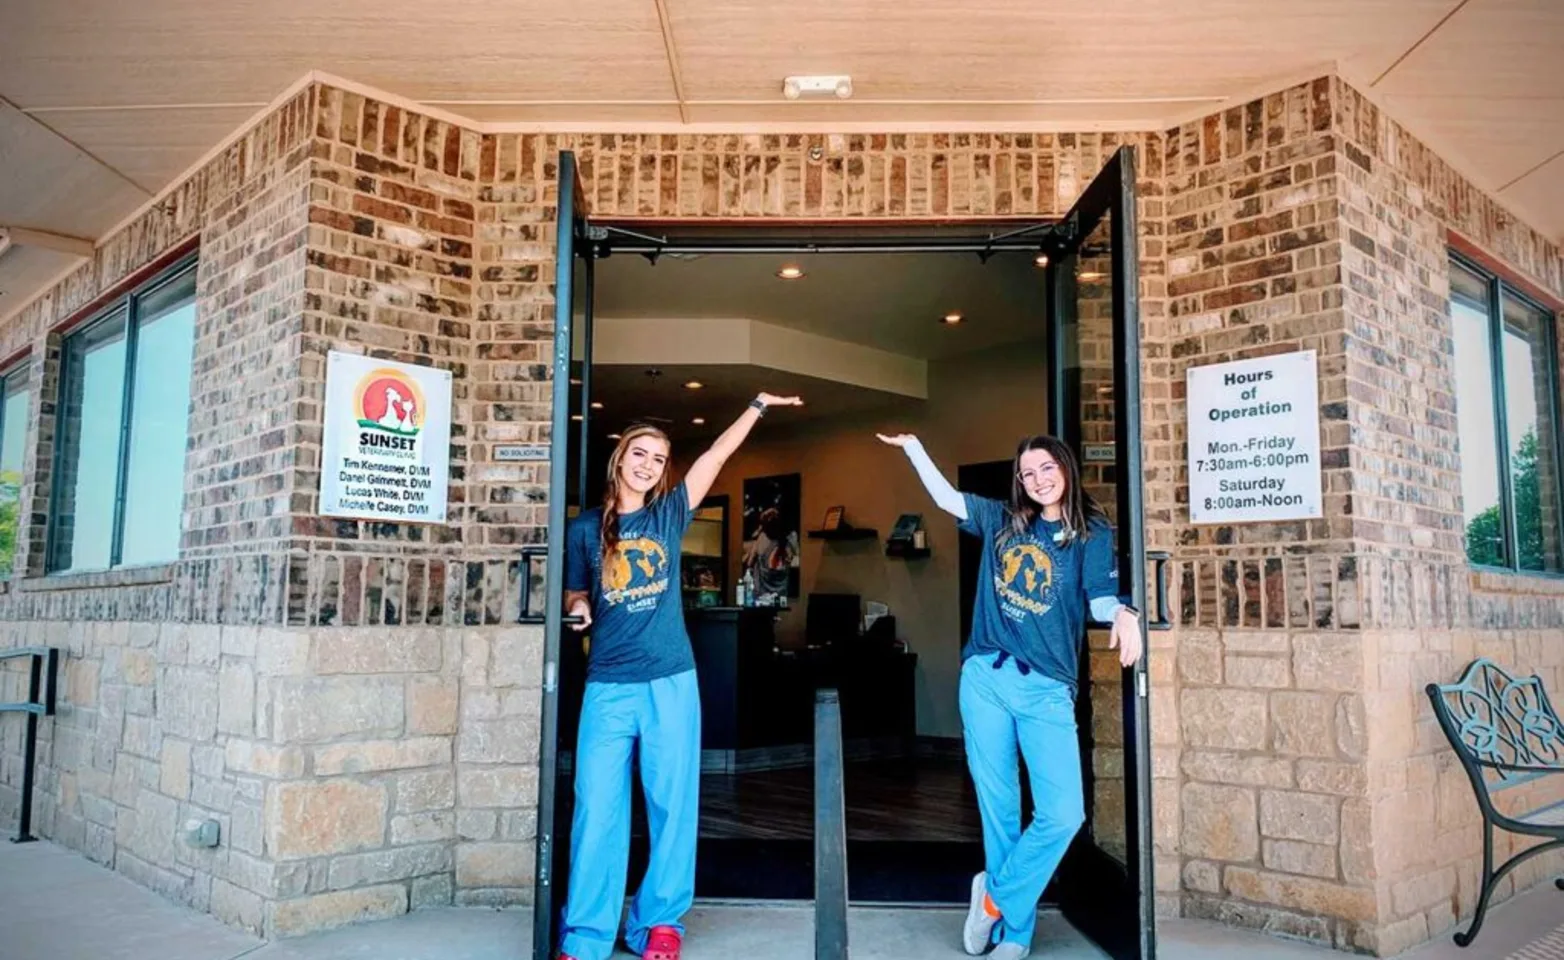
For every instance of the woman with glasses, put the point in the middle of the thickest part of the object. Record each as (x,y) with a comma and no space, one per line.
(1049,560)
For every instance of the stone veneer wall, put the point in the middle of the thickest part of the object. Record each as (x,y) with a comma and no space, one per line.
(346,699)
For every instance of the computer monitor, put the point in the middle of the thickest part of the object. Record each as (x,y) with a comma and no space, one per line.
(832,618)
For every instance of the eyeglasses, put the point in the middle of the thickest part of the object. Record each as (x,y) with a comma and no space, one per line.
(1032,477)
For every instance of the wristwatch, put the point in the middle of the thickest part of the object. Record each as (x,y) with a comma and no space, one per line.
(758,405)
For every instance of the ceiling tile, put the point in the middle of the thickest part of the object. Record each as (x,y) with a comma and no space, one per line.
(26,270)
(151,147)
(50,185)
(1540,195)
(94,53)
(1489,49)
(1023,49)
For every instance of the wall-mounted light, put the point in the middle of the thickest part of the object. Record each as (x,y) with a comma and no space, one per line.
(1041,260)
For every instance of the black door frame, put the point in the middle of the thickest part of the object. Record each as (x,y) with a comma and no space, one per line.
(1111,191)
(1112,194)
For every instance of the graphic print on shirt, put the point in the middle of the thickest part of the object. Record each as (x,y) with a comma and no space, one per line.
(636,575)
(1024,578)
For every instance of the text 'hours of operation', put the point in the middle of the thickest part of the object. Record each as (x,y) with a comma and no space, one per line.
(1254,440)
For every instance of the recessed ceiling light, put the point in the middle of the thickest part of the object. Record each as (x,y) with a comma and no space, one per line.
(698,421)
(693,385)
(1042,260)
(576,417)
(951,318)
(575,382)
(791,271)
(840,86)
(597,404)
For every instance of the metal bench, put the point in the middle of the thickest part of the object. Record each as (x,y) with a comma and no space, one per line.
(1506,733)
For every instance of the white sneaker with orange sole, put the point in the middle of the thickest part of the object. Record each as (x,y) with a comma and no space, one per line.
(975,933)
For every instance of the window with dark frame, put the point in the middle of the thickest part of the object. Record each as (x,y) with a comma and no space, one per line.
(1506,366)
(13,453)
(124,417)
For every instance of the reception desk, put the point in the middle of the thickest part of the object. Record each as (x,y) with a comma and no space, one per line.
(757,702)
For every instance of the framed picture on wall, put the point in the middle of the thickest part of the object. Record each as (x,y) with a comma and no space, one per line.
(833,518)
(771,538)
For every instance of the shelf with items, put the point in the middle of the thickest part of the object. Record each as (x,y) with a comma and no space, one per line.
(845,532)
(899,550)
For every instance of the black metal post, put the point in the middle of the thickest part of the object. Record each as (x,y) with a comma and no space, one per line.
(24,827)
(830,831)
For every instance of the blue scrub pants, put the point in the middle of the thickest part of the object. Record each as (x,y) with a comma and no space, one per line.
(1003,710)
(665,716)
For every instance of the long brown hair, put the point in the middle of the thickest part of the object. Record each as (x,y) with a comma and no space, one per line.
(610,531)
(1078,506)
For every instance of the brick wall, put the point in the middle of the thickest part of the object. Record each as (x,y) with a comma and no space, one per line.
(1313,772)
(310,665)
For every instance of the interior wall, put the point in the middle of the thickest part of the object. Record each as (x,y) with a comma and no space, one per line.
(979,406)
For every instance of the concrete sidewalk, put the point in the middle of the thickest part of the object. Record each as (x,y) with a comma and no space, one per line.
(55,905)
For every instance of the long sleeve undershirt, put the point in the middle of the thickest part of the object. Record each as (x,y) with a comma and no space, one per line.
(946,497)
(950,500)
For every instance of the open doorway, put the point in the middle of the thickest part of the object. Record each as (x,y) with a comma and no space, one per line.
(819,561)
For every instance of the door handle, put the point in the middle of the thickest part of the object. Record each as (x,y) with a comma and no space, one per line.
(528,554)
(1159,577)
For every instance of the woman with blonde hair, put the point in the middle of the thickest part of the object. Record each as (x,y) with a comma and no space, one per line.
(622,579)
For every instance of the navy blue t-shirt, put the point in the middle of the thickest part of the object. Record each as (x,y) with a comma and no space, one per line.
(1033,593)
(637,628)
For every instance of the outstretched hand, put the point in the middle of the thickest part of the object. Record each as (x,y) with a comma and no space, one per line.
(772,400)
(899,440)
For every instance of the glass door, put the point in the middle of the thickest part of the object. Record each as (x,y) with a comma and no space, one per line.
(1105,884)
(567,456)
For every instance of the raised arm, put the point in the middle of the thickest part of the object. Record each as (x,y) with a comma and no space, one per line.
(703,473)
(946,497)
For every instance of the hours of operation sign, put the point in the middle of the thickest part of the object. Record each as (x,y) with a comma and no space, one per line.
(1254,440)
(386,453)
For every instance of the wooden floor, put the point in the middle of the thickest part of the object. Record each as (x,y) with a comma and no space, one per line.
(914,799)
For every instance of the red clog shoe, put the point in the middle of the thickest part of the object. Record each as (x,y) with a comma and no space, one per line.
(662,943)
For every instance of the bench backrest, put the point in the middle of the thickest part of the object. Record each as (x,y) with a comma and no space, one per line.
(1492,717)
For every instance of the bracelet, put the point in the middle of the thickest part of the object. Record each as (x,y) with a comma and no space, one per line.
(761,407)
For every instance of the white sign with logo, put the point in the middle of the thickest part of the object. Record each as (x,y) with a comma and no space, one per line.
(1254,440)
(386,453)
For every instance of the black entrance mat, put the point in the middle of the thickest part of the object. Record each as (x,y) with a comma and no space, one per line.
(928,872)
